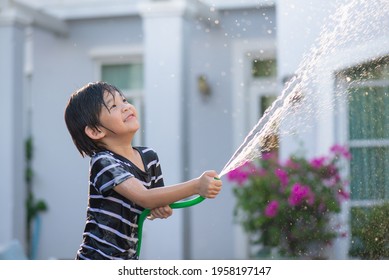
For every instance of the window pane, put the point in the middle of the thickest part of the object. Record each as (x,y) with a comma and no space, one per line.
(271,140)
(369,173)
(369,113)
(124,76)
(264,68)
(266,102)
(376,70)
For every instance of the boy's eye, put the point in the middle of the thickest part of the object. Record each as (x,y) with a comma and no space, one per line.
(125,100)
(113,106)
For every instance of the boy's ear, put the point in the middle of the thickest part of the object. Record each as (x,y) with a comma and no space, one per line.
(94,133)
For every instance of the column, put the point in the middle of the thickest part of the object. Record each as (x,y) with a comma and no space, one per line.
(165,31)
(12,198)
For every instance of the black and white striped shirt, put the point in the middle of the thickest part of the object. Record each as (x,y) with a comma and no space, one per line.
(111,230)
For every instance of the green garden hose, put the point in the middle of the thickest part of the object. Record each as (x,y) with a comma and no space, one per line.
(175,205)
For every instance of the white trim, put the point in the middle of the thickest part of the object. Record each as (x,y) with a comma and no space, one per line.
(365,203)
(258,90)
(369,143)
(26,15)
(239,4)
(370,83)
(180,8)
(76,9)
(354,55)
(121,54)
(126,53)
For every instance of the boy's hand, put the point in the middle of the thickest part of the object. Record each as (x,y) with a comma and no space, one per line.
(209,187)
(160,212)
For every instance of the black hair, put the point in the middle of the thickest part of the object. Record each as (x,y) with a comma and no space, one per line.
(83,109)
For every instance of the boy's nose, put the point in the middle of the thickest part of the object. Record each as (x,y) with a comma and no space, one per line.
(126,107)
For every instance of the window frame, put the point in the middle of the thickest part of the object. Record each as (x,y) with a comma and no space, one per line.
(260,87)
(345,85)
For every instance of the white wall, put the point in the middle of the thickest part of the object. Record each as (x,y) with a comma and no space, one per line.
(12,185)
(299,26)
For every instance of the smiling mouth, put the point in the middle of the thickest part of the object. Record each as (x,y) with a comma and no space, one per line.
(130,116)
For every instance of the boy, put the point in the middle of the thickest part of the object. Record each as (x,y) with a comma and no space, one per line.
(123,179)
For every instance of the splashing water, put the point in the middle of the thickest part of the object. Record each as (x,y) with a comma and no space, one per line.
(356,22)
(254,143)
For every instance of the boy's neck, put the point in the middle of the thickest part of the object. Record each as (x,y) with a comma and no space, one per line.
(122,146)
(129,153)
(125,151)
(119,145)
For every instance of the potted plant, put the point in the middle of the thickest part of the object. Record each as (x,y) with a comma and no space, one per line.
(289,206)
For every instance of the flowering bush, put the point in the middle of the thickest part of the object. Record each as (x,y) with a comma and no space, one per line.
(288,205)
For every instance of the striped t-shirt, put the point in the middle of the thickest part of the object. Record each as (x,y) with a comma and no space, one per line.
(111,230)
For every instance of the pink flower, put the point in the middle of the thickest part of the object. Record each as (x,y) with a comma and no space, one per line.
(341,150)
(237,176)
(332,170)
(299,194)
(272,209)
(290,163)
(343,195)
(282,176)
(330,182)
(261,172)
(317,163)
(346,183)
(268,156)
(242,173)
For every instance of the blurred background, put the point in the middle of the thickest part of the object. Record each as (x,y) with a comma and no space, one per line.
(201,74)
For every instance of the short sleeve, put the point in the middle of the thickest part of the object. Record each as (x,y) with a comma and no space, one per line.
(158,182)
(106,173)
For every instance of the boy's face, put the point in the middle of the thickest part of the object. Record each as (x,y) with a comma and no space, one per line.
(118,117)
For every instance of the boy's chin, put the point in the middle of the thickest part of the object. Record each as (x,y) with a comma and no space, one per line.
(135,130)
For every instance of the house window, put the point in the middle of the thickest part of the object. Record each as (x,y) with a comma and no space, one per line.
(368,133)
(262,68)
(369,136)
(263,92)
(272,140)
(129,79)
(368,114)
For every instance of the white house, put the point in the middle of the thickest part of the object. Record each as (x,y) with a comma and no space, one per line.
(190,67)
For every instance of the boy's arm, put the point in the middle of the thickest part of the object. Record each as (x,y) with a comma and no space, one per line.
(133,190)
